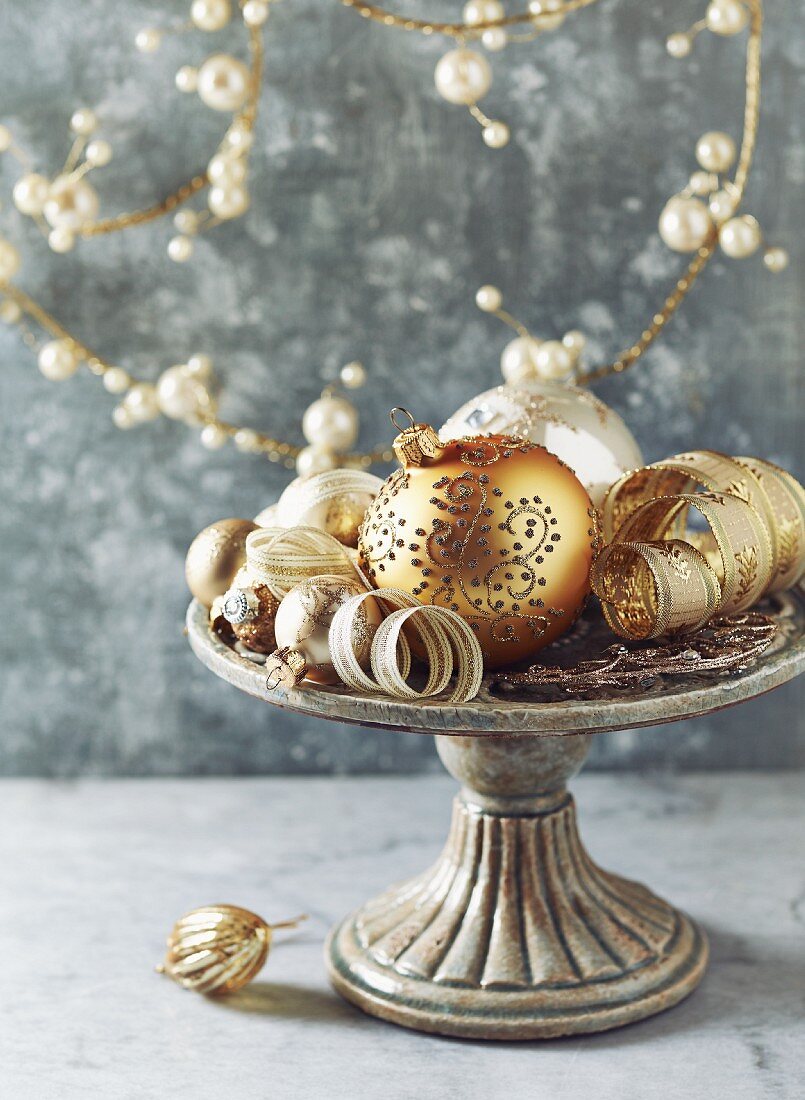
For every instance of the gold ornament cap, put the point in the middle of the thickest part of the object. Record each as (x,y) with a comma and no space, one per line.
(286,668)
(417,444)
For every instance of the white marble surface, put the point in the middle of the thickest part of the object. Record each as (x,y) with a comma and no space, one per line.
(92,874)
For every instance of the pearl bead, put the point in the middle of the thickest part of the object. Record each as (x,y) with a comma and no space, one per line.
(722,205)
(228,202)
(70,203)
(141,402)
(740,237)
(122,418)
(247,441)
(226,170)
(186,221)
(575,342)
(494,39)
(116,380)
(186,79)
(775,259)
(678,45)
(463,76)
(488,298)
(212,437)
(353,375)
(496,135)
(726,17)
(199,366)
(483,11)
(9,260)
(331,423)
(180,249)
(6,139)
(315,460)
(223,82)
(61,239)
(147,40)
(58,360)
(239,138)
(547,14)
(10,312)
(685,224)
(210,15)
(83,121)
(715,151)
(98,153)
(255,13)
(180,396)
(702,183)
(553,360)
(30,193)
(517,361)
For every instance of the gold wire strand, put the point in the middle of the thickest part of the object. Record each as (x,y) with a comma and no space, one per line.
(455,30)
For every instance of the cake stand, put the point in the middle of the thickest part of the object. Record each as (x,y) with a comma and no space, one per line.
(514,932)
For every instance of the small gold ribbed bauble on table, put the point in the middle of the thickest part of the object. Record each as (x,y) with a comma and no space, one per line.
(250,610)
(302,628)
(573,424)
(219,948)
(215,556)
(497,529)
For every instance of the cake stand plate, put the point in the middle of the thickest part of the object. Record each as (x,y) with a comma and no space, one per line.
(514,932)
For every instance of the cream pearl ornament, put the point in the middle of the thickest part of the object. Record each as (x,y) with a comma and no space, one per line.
(116,380)
(726,17)
(463,76)
(210,15)
(740,237)
(180,249)
(228,202)
(30,193)
(186,79)
(226,170)
(148,40)
(352,375)
(58,360)
(141,403)
(199,366)
(223,82)
(247,441)
(488,298)
(575,342)
(518,360)
(61,239)
(181,396)
(98,153)
(722,205)
(703,183)
(775,259)
(685,224)
(496,134)
(494,39)
(9,260)
(483,11)
(187,222)
(83,121)
(315,460)
(255,13)
(6,140)
(715,151)
(547,14)
(10,312)
(678,45)
(122,418)
(331,422)
(71,203)
(554,361)
(212,437)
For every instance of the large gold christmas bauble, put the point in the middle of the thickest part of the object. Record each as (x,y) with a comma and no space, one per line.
(573,424)
(496,528)
(215,556)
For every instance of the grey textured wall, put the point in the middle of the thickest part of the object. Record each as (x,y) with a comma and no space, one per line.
(376,213)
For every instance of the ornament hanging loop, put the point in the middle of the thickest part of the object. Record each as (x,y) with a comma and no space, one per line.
(393,418)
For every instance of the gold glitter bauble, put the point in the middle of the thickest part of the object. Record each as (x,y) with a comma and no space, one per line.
(215,556)
(250,611)
(497,529)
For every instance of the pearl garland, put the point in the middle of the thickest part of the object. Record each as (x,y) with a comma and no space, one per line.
(526,358)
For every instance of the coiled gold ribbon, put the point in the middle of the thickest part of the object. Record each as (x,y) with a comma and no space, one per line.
(660,574)
(448,642)
(283,557)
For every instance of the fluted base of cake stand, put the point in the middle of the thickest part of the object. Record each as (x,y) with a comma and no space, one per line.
(515,933)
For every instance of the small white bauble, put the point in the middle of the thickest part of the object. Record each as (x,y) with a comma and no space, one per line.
(740,237)
(685,224)
(334,501)
(210,15)
(726,17)
(70,203)
(517,363)
(570,422)
(228,202)
(30,193)
(463,76)
(180,395)
(314,460)
(715,151)
(58,360)
(331,423)
(9,260)
(554,361)
(303,620)
(223,82)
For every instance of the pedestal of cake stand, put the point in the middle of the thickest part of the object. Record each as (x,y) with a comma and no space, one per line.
(514,932)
